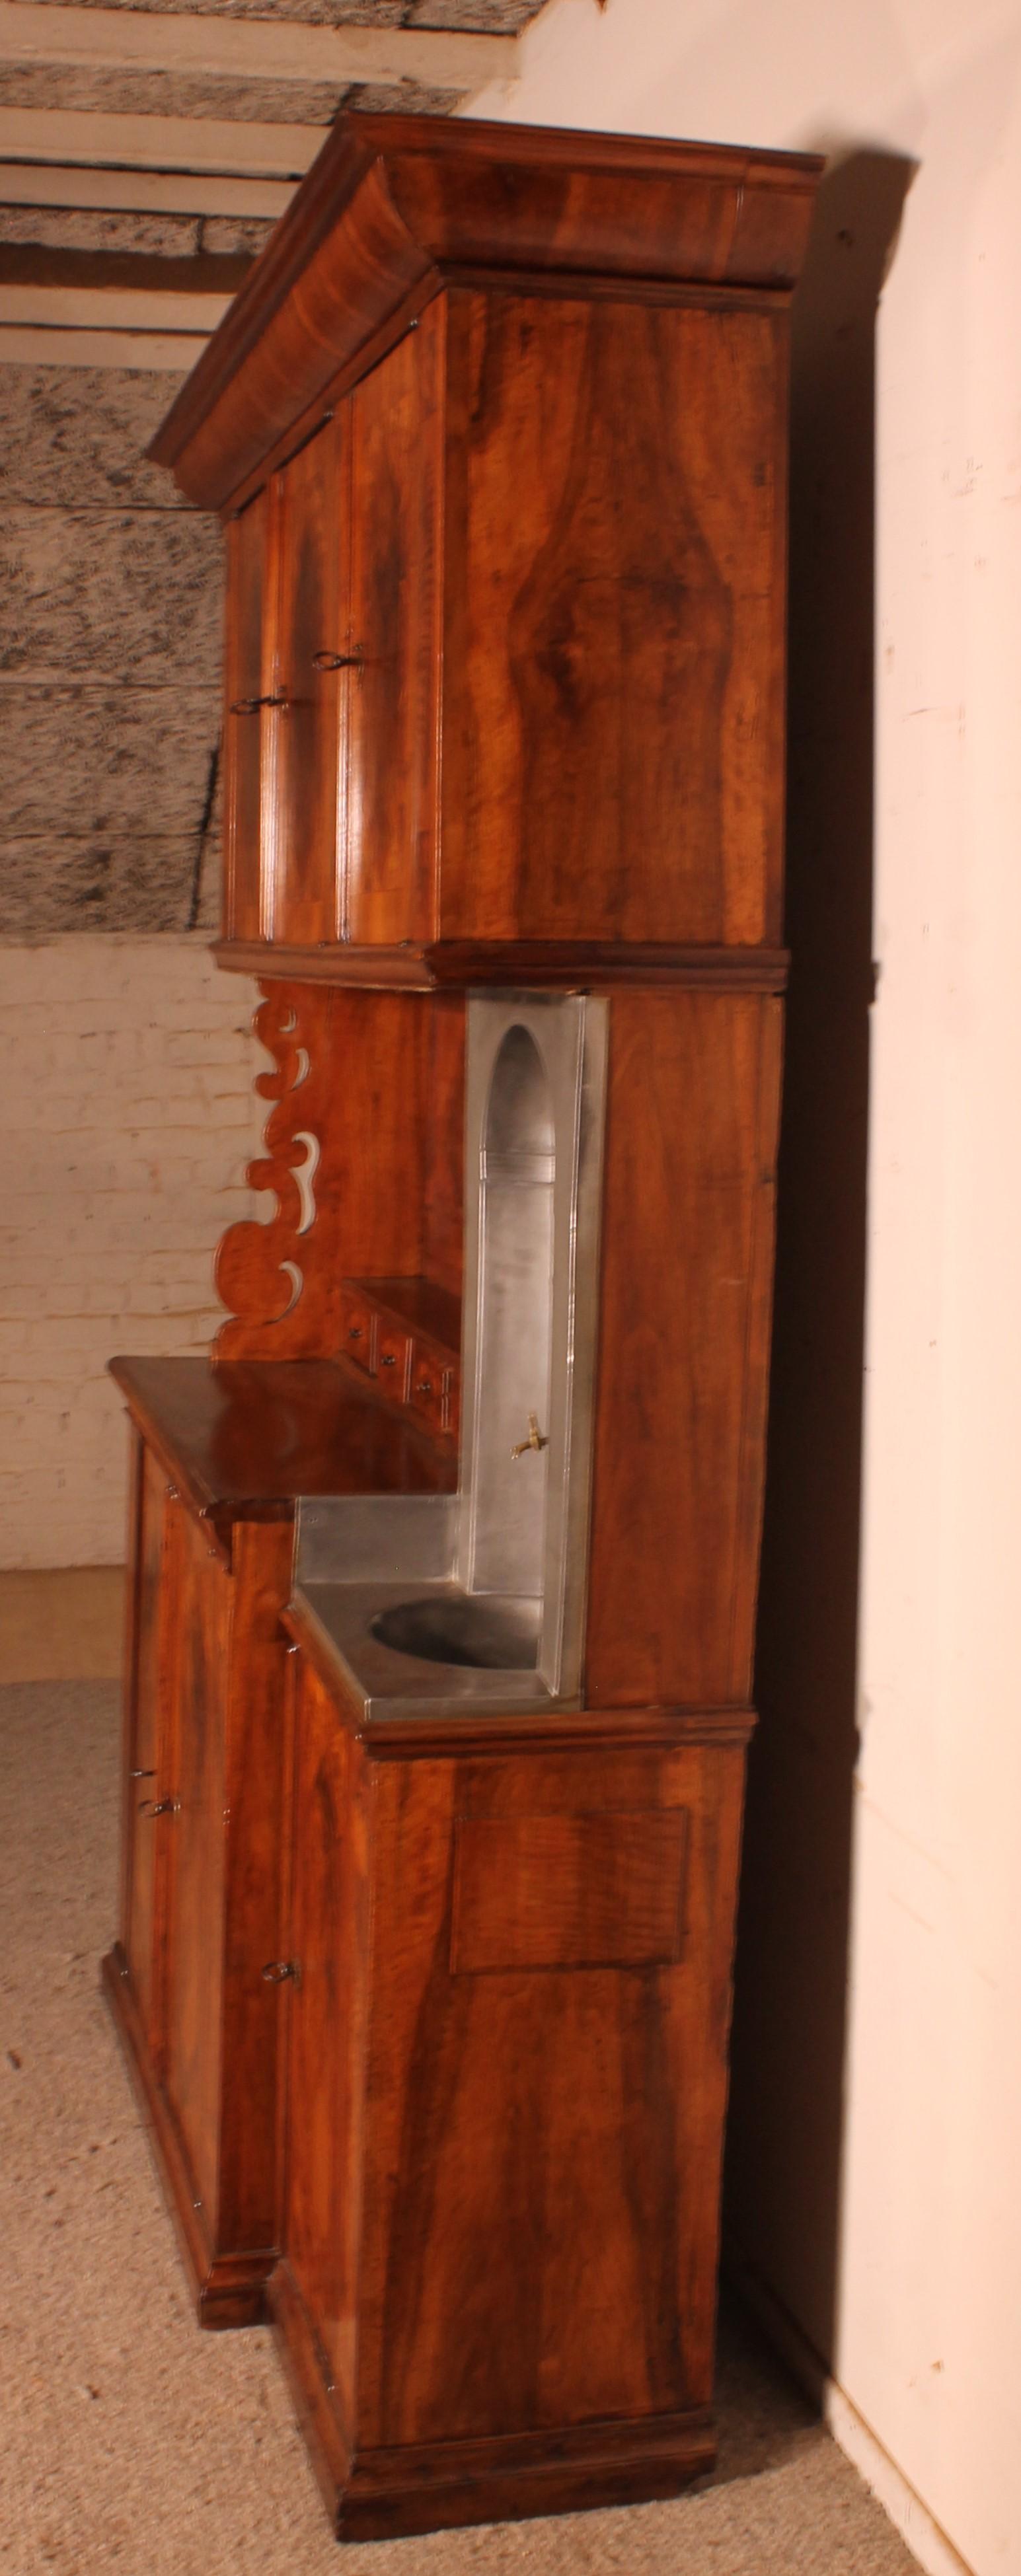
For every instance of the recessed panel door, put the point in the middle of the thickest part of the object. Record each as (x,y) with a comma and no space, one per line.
(313,673)
(248,683)
(147,1784)
(325,2004)
(396,432)
(195,1842)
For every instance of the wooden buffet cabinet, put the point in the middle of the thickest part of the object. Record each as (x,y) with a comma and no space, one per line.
(424,1982)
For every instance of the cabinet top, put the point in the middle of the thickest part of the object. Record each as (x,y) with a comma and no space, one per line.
(396,207)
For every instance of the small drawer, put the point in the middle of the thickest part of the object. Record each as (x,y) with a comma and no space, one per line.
(358,1329)
(393,1360)
(429,1392)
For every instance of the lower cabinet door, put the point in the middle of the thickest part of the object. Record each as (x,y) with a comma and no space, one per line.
(147,1788)
(326,1953)
(195,1846)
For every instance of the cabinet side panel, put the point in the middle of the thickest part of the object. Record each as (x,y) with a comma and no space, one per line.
(613,714)
(246,680)
(195,1846)
(312,628)
(683,1347)
(396,430)
(324,2115)
(253,1932)
(444,1028)
(542,2188)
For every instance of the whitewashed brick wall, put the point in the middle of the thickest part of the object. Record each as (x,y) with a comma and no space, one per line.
(129,1116)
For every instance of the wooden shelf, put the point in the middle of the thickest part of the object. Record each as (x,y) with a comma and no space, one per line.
(242,1440)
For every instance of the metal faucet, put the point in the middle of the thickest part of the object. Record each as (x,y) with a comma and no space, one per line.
(536,1439)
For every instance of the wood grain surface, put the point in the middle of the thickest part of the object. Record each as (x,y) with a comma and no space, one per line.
(393,737)
(395,205)
(689,1175)
(613,698)
(501,2188)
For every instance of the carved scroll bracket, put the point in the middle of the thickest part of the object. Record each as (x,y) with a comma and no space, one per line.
(261,1267)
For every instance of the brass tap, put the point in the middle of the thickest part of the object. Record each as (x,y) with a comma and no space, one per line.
(536,1438)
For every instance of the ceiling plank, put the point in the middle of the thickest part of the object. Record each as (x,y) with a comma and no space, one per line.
(193,143)
(22,345)
(110,308)
(205,273)
(251,48)
(141,191)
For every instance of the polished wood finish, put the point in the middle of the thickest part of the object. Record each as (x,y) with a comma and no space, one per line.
(406,1334)
(395,206)
(367,1093)
(393,731)
(202,1911)
(498,429)
(242,1439)
(498,1927)
(688,1204)
(570,965)
(313,522)
(542,527)
(219,1456)
(614,622)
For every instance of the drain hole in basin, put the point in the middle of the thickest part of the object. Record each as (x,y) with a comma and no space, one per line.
(486,1634)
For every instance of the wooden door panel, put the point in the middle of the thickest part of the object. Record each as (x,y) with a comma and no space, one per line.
(326,2014)
(396,429)
(541,2198)
(248,679)
(196,1848)
(148,1765)
(254,1833)
(312,630)
(614,622)
(681,1383)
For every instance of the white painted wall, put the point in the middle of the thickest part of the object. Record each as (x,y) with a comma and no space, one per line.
(925,2342)
(129,1116)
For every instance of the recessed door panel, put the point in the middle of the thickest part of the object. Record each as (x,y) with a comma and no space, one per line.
(392,770)
(313,674)
(247,683)
(195,1847)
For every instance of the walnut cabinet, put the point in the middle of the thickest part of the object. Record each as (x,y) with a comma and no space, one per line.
(427,1999)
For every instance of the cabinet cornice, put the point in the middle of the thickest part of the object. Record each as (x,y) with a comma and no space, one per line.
(395,206)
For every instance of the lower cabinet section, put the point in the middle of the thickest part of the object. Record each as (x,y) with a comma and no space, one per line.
(429,2026)
(506,2005)
(201,1880)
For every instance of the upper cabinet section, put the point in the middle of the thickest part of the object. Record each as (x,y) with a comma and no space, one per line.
(498,427)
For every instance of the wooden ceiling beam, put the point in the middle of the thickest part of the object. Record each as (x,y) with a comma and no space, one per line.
(217,274)
(251,48)
(143,192)
(57,345)
(110,308)
(193,143)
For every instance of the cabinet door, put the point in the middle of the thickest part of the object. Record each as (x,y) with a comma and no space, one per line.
(392,752)
(312,677)
(147,1762)
(326,2010)
(195,1844)
(247,741)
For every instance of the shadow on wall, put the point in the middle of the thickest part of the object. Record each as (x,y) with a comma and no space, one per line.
(782,2198)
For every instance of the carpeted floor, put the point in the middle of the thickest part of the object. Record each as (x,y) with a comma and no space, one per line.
(133,2442)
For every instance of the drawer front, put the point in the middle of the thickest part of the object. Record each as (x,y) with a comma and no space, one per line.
(430,1389)
(393,1360)
(358,1330)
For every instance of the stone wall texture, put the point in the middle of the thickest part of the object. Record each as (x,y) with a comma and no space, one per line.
(110,625)
(129,1119)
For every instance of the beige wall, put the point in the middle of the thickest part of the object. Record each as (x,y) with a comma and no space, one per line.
(876,2177)
(128,1119)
